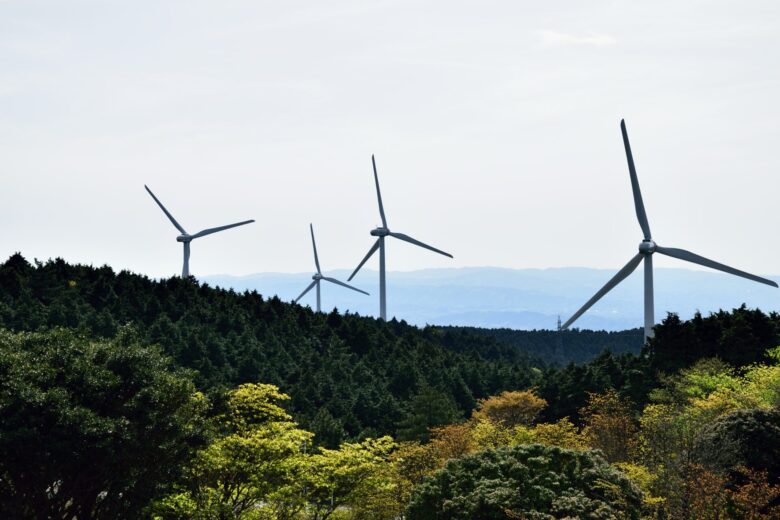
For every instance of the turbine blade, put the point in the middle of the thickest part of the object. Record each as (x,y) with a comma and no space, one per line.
(379,194)
(338,282)
(365,258)
(638,204)
(682,254)
(167,213)
(312,284)
(220,228)
(407,238)
(314,245)
(619,277)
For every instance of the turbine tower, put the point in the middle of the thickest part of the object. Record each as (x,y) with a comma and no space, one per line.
(317,277)
(646,250)
(381,233)
(185,238)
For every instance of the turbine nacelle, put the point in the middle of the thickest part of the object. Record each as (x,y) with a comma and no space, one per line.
(647,247)
(380,232)
(316,276)
(184,238)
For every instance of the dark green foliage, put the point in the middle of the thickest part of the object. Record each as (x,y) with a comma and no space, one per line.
(348,376)
(429,408)
(739,338)
(528,482)
(90,429)
(566,390)
(749,438)
(567,346)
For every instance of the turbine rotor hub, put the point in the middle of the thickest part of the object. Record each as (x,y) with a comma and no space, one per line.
(647,247)
(316,276)
(184,238)
(380,232)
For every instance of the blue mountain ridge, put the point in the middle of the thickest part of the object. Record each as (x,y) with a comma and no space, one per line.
(525,299)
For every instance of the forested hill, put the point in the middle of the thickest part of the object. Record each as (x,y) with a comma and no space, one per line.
(568,346)
(351,376)
(348,375)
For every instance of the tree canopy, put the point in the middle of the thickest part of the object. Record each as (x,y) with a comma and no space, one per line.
(90,428)
(348,376)
(527,481)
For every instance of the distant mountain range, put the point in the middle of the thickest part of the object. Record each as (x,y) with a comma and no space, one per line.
(518,298)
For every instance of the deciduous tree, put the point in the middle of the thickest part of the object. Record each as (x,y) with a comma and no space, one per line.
(511,408)
(609,426)
(252,465)
(355,475)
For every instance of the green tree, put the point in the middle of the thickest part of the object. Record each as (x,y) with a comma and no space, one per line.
(739,338)
(357,476)
(748,438)
(429,408)
(253,465)
(90,429)
(530,481)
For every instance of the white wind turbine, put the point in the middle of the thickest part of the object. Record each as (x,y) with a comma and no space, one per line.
(318,276)
(381,233)
(185,238)
(646,250)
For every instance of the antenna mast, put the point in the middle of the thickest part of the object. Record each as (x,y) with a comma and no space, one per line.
(558,347)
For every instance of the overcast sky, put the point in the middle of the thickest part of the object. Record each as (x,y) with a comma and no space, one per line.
(495,126)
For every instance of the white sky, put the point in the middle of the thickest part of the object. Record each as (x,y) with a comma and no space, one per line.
(495,126)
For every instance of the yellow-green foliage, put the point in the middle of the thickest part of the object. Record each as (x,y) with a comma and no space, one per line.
(713,388)
(358,475)
(696,397)
(689,401)
(757,386)
(505,420)
(609,426)
(763,382)
(251,464)
(263,467)
(666,433)
(255,404)
(489,435)
(562,434)
(644,478)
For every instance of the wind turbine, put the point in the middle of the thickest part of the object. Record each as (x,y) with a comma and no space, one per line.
(317,277)
(646,250)
(381,233)
(185,238)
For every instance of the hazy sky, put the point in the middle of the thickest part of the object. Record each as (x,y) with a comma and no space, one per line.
(495,126)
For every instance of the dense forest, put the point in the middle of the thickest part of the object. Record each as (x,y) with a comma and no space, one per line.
(566,346)
(122,396)
(348,376)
